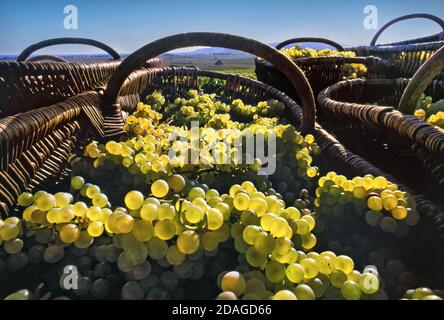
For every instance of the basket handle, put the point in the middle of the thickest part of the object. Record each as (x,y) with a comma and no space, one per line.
(422,78)
(154,49)
(57,41)
(407,17)
(310,39)
(46,57)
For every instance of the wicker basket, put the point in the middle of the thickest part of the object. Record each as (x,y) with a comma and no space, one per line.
(361,110)
(36,145)
(45,80)
(321,72)
(406,56)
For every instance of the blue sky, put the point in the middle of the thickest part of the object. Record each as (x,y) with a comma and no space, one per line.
(128,25)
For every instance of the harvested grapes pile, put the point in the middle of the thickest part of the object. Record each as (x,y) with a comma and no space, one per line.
(171,207)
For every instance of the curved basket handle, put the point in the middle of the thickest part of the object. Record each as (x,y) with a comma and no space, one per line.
(46,57)
(407,17)
(422,78)
(56,41)
(310,39)
(153,49)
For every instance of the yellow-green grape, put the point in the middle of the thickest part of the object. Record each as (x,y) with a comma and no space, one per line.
(194,214)
(195,193)
(293,213)
(235,282)
(234,189)
(93,213)
(284,295)
(188,242)
(267,219)
(312,172)
(303,227)
(176,182)
(174,256)
(308,241)
(337,278)
(69,233)
(25,199)
(210,194)
(51,216)
(215,219)
(369,283)
(159,188)
(255,286)
(13,246)
(282,246)
(124,223)
(264,243)
(374,203)
(255,258)
(311,268)
(100,200)
(227,295)
(210,241)
(380,182)
(149,212)
(326,264)
(350,290)
(77,182)
(389,202)
(65,215)
(311,221)
(9,231)
(63,199)
(165,229)
(79,209)
(46,202)
(304,292)
(224,209)
(241,201)
(275,271)
(259,206)
(359,192)
(399,213)
(134,200)
(344,264)
(248,186)
(92,190)
(166,211)
(279,227)
(143,230)
(84,240)
(95,229)
(157,248)
(295,272)
(250,232)
(19,295)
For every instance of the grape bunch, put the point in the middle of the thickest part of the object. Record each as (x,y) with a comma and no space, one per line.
(432,113)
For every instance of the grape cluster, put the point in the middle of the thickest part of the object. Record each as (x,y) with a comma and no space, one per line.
(432,113)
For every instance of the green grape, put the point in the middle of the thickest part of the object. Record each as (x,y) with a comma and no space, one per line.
(326,264)
(295,272)
(369,283)
(159,188)
(92,190)
(165,229)
(77,182)
(194,214)
(249,233)
(350,290)
(304,292)
(337,278)
(226,295)
(93,213)
(255,258)
(344,264)
(311,268)
(149,212)
(188,242)
(63,199)
(284,295)
(13,246)
(275,272)
(176,182)
(95,229)
(210,241)
(388,224)
(69,233)
(195,193)
(25,199)
(143,230)
(100,200)
(157,248)
(175,256)
(264,243)
(45,202)
(241,201)
(134,200)
(303,227)
(234,282)
(374,203)
(166,211)
(84,240)
(124,223)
